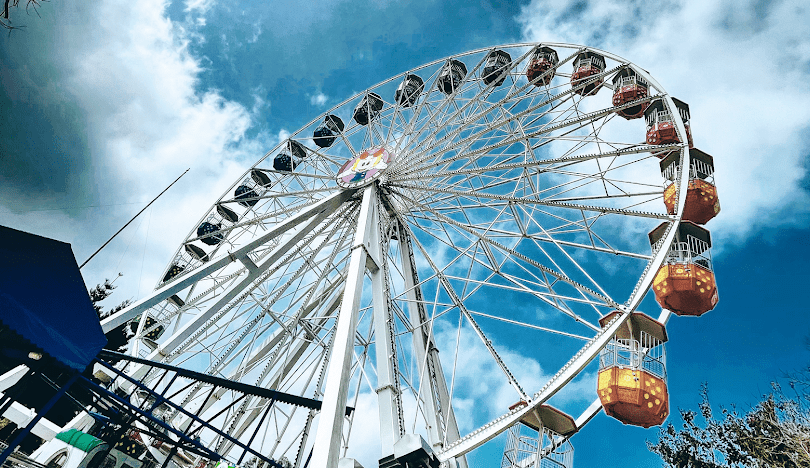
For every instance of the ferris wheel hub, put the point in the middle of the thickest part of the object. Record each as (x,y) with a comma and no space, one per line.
(364,168)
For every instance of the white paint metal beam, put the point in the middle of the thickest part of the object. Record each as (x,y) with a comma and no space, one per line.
(320,209)
(326,448)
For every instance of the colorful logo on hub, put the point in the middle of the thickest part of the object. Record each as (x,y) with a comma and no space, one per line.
(364,168)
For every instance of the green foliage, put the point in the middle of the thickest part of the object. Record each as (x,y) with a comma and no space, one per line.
(117,338)
(774,433)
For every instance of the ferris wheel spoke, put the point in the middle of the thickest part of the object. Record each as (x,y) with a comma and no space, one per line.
(317,211)
(508,188)
(512,252)
(475,199)
(534,288)
(545,129)
(577,124)
(448,288)
(498,167)
(430,137)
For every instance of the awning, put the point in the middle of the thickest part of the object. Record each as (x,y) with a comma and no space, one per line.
(44,299)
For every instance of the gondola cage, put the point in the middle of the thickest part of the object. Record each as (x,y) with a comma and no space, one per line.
(451,76)
(409,90)
(544,60)
(702,203)
(632,382)
(152,329)
(586,65)
(209,231)
(629,87)
(542,434)
(496,67)
(368,108)
(661,125)
(290,157)
(685,283)
(327,131)
(246,193)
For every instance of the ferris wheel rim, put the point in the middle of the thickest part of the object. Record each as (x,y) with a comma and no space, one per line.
(644,282)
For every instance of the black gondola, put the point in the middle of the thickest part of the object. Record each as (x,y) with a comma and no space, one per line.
(285,162)
(210,228)
(369,107)
(246,196)
(262,179)
(227,213)
(196,252)
(409,90)
(327,131)
(174,270)
(495,67)
(452,76)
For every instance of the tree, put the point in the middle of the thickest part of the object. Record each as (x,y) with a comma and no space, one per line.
(5,21)
(774,433)
(117,338)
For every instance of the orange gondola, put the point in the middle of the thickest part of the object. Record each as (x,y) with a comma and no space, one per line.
(702,203)
(632,382)
(685,283)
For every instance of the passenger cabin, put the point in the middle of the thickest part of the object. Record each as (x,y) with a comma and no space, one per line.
(290,157)
(409,90)
(702,203)
(174,270)
(327,131)
(368,108)
(152,329)
(451,76)
(540,434)
(496,67)
(209,231)
(542,66)
(661,129)
(685,283)
(196,253)
(261,178)
(629,87)
(586,65)
(246,193)
(632,382)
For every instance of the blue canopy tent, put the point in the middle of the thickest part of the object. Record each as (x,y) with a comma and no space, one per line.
(45,310)
(43,298)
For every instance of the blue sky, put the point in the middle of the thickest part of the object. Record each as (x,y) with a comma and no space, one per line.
(102,105)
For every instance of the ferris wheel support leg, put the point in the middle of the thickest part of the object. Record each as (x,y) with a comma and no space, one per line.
(389,401)
(326,447)
(427,355)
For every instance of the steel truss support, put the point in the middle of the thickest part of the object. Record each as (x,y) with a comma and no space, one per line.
(327,442)
(389,399)
(443,427)
(319,210)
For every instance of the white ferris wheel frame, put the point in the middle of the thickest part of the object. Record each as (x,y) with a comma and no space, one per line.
(366,255)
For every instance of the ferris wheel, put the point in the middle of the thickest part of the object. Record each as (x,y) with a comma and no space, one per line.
(454,246)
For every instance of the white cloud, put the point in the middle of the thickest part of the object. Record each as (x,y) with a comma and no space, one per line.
(257,31)
(318,99)
(200,6)
(738,65)
(146,123)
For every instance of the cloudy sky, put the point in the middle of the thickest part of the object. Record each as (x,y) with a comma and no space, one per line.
(104,103)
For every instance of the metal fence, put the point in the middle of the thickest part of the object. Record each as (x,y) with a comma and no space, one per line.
(648,354)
